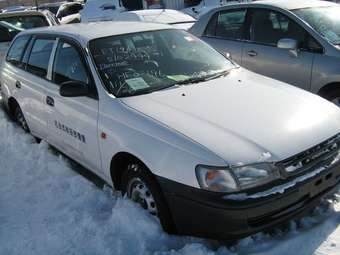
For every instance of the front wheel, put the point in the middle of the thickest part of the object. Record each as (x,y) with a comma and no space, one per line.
(142,188)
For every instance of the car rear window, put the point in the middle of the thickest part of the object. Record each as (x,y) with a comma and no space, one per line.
(17,49)
(26,22)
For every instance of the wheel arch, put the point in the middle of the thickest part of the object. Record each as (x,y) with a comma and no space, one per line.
(118,165)
(328,87)
(12,104)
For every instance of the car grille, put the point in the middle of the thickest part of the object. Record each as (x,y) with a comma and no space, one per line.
(322,155)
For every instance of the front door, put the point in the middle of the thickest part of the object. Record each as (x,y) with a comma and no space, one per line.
(225,32)
(262,55)
(73,120)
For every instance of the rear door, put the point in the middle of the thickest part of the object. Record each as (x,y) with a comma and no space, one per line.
(261,54)
(25,73)
(72,121)
(226,32)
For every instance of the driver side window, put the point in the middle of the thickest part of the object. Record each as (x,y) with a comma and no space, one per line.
(68,65)
(268,27)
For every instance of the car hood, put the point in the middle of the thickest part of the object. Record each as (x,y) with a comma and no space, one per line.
(243,117)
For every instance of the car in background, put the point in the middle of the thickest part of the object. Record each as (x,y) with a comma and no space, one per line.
(206,5)
(11,23)
(15,8)
(52,7)
(212,149)
(7,33)
(69,12)
(166,16)
(297,42)
(29,19)
(101,10)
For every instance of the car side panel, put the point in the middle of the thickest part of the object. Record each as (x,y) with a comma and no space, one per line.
(30,96)
(326,70)
(234,48)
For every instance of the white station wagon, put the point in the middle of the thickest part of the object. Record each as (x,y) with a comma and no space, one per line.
(210,148)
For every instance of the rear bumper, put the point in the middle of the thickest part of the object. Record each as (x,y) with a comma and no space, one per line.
(207,214)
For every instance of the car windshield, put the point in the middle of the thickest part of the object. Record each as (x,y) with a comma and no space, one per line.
(140,63)
(325,20)
(26,22)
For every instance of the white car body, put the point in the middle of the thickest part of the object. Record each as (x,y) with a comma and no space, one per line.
(166,16)
(102,10)
(206,5)
(235,120)
(94,12)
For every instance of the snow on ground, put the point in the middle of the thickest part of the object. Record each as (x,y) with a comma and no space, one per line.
(48,208)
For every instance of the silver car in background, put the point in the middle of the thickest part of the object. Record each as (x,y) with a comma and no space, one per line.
(297,42)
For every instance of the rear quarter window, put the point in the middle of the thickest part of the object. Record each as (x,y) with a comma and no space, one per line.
(17,50)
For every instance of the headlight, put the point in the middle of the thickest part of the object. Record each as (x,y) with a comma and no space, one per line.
(235,178)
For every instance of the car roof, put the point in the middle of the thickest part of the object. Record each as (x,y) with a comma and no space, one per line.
(94,30)
(294,4)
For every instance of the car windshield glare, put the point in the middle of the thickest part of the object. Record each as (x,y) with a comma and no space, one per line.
(144,62)
(325,20)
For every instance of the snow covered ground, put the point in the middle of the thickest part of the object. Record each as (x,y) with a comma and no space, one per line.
(48,208)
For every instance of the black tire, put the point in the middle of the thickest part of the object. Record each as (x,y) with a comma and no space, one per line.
(332,95)
(20,119)
(137,171)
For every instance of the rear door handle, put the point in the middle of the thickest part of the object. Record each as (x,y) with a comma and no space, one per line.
(50,101)
(18,84)
(252,53)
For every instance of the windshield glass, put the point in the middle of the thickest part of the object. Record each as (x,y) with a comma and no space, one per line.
(26,22)
(144,62)
(325,20)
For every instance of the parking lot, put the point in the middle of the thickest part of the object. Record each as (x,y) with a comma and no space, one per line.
(170,127)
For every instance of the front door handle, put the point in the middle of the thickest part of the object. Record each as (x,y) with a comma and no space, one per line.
(18,84)
(252,53)
(50,101)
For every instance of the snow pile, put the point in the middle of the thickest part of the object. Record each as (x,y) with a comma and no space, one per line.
(47,208)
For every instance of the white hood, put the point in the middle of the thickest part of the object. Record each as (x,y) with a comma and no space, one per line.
(244,117)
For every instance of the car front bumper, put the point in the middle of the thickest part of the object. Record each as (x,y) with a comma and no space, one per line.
(208,214)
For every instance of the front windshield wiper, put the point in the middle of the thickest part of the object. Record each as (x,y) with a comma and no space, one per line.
(203,78)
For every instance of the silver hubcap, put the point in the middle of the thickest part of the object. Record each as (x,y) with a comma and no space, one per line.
(336,101)
(140,193)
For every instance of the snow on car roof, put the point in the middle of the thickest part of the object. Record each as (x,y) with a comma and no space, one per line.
(93,30)
(295,4)
(165,16)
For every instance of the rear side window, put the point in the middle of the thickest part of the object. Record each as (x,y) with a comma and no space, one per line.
(227,24)
(17,49)
(40,57)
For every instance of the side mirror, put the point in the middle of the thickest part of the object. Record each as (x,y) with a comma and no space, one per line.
(289,44)
(73,89)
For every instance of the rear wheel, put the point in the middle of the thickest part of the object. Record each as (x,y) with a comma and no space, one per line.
(142,188)
(20,119)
